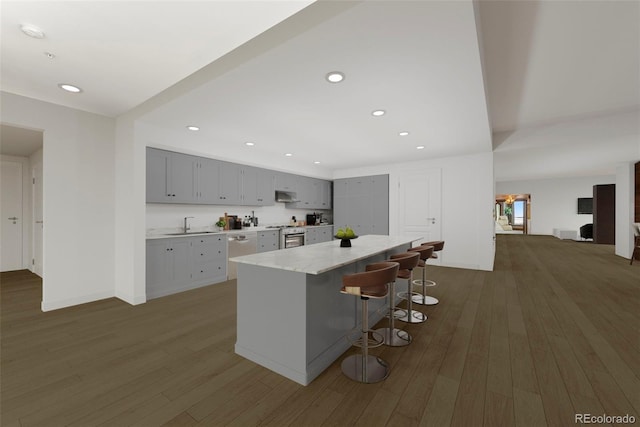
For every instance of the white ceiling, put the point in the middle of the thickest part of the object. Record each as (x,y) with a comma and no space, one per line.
(121,53)
(536,67)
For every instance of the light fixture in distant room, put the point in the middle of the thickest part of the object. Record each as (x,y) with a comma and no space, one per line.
(32,31)
(69,88)
(335,77)
(249,144)
(403,133)
(316,162)
(193,128)
(288,154)
(509,200)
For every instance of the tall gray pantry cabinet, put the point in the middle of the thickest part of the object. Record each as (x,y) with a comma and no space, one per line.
(362,203)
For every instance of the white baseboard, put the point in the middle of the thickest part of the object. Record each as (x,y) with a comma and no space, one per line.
(131,299)
(83,299)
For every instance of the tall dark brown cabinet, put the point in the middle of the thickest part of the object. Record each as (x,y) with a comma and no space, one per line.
(604,214)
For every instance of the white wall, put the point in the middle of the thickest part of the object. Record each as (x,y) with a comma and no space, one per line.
(26,207)
(78,179)
(467,225)
(554,202)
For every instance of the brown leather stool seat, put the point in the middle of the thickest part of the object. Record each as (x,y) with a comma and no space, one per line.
(396,337)
(372,283)
(410,315)
(423,298)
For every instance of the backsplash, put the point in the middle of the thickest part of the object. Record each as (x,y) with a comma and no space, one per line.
(172,215)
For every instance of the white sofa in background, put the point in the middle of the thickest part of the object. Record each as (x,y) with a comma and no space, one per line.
(503,223)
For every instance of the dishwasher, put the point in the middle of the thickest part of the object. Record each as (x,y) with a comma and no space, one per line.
(240,244)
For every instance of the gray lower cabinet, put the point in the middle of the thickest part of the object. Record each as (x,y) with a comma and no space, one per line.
(268,240)
(178,264)
(362,203)
(318,234)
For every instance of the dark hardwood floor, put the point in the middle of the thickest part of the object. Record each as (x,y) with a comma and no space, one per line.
(552,332)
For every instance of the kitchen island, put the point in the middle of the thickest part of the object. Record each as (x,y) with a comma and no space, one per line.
(292,318)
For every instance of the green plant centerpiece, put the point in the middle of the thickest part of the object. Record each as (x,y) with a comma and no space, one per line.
(221,224)
(345,236)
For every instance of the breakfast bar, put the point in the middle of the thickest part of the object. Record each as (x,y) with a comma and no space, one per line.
(292,318)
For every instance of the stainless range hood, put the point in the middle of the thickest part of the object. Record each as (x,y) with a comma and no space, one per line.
(286,197)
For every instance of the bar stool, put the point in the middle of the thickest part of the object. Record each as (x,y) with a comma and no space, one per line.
(423,298)
(372,283)
(397,337)
(410,315)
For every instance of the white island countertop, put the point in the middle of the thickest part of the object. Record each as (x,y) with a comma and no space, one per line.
(322,257)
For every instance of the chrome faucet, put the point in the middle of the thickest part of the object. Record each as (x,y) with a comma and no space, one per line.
(187,226)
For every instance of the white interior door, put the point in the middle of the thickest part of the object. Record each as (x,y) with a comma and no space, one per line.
(11,220)
(36,173)
(420,205)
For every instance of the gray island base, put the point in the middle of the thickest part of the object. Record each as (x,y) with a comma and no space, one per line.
(292,318)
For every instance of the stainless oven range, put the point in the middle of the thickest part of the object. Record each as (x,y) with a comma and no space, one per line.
(291,237)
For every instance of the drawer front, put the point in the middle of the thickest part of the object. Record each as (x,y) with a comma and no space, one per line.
(207,249)
(211,270)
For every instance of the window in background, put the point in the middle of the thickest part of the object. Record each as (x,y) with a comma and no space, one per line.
(519,208)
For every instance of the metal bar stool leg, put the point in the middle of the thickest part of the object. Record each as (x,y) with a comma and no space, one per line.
(394,337)
(424,299)
(363,367)
(410,315)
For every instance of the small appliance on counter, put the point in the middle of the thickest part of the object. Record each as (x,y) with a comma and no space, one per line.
(311,219)
(234,222)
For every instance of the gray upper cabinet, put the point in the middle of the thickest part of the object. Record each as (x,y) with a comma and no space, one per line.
(266,187)
(286,181)
(249,194)
(158,176)
(171,177)
(208,175)
(312,193)
(182,178)
(325,198)
(230,184)
(362,203)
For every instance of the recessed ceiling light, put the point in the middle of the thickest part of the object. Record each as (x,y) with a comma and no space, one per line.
(32,31)
(249,144)
(335,77)
(193,128)
(316,162)
(49,55)
(378,113)
(403,133)
(420,147)
(69,88)
(288,154)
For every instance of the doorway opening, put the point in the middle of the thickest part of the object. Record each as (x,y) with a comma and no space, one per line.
(512,213)
(21,226)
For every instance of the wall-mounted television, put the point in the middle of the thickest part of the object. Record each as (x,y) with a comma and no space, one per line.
(585,205)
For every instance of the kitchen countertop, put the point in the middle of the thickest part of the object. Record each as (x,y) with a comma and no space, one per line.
(322,257)
(167,233)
